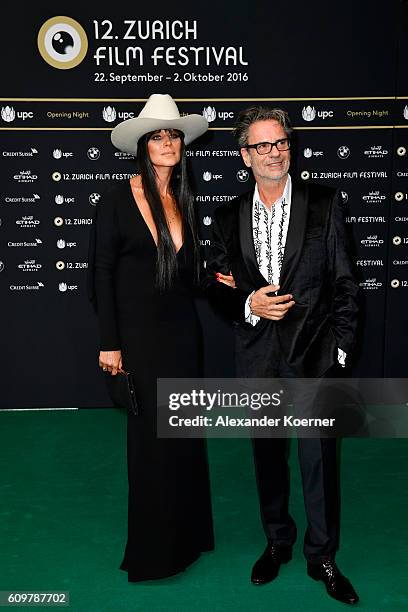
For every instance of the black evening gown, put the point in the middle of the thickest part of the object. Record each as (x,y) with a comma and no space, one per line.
(169,508)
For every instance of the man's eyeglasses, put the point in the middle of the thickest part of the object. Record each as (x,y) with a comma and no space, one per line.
(263,148)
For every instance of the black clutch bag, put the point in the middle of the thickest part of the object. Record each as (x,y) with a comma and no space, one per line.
(122,391)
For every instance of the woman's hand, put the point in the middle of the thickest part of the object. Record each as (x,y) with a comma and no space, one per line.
(111,361)
(227,279)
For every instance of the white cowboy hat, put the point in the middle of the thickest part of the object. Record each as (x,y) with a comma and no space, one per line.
(159,113)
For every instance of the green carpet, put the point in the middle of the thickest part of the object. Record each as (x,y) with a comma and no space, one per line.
(63,488)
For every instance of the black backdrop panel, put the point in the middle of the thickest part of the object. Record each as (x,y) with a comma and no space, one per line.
(396,319)
(337,70)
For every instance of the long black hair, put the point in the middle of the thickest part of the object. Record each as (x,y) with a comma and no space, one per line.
(166,266)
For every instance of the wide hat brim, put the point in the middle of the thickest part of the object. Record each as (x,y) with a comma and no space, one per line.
(125,135)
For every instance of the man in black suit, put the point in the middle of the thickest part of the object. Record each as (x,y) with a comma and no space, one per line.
(294,306)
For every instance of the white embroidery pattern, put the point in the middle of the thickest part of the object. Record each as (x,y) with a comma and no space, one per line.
(270,227)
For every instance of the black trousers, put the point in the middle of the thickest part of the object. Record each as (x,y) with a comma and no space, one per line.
(320,481)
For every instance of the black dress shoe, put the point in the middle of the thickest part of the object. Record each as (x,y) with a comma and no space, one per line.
(338,586)
(267,567)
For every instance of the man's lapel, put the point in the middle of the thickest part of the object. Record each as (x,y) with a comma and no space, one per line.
(247,241)
(296,234)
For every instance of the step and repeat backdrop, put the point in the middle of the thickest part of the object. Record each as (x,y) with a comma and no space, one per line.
(68,80)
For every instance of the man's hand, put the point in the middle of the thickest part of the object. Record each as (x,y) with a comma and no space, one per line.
(271,307)
(111,361)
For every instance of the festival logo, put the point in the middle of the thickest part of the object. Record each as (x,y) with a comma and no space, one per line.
(62,42)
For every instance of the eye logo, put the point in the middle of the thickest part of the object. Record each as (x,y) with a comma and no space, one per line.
(62,42)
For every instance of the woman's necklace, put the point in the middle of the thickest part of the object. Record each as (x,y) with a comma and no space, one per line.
(171,214)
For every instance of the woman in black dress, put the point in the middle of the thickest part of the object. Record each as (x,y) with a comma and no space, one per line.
(146,266)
